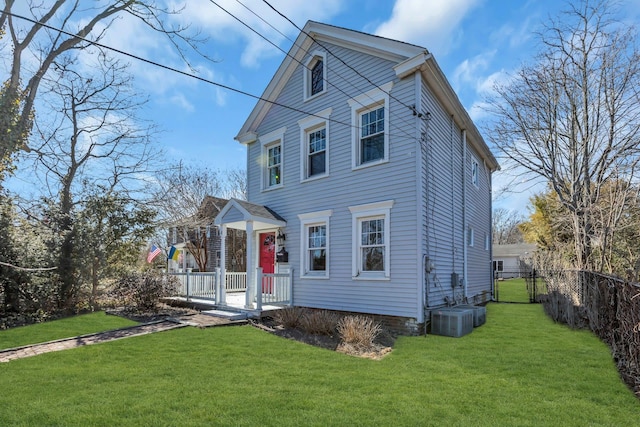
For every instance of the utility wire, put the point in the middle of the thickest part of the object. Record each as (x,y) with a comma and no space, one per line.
(175,70)
(184,73)
(297,60)
(410,107)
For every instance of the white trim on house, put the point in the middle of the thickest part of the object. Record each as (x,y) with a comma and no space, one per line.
(309,220)
(360,104)
(307,125)
(308,66)
(269,141)
(367,212)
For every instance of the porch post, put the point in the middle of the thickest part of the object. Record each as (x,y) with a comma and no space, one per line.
(221,297)
(259,286)
(251,282)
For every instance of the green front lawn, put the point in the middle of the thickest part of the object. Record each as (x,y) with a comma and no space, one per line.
(63,328)
(518,369)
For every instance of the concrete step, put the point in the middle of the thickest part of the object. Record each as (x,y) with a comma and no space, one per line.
(231,315)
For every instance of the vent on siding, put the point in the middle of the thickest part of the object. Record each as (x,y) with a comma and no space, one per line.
(452,322)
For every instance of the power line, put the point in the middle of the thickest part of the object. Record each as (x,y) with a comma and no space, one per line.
(410,107)
(297,60)
(175,70)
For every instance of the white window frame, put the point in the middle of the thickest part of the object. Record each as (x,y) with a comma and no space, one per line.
(307,220)
(475,172)
(308,66)
(471,237)
(267,142)
(486,241)
(370,100)
(370,211)
(309,125)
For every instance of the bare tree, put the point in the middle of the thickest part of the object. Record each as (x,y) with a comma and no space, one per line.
(572,117)
(91,138)
(45,45)
(188,198)
(505,226)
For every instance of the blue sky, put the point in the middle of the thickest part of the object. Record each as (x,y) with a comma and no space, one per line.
(475,42)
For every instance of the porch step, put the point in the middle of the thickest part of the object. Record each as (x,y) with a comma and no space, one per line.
(231,315)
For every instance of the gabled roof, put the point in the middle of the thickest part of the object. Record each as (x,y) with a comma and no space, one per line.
(236,213)
(410,58)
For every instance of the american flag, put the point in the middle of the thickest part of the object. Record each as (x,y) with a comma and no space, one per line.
(153,252)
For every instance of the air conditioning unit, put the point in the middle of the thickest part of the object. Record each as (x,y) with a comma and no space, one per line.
(479,313)
(451,322)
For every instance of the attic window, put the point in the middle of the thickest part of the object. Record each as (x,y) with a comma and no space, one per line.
(315,75)
(317,78)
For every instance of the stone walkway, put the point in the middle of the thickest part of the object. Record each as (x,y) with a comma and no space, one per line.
(198,320)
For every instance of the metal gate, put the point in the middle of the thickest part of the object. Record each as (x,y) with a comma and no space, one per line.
(523,286)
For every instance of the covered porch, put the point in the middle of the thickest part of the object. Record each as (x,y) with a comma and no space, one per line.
(269,279)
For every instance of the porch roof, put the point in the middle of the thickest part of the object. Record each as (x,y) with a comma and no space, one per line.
(236,213)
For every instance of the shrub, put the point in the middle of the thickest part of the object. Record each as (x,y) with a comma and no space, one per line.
(359,331)
(289,317)
(322,322)
(144,290)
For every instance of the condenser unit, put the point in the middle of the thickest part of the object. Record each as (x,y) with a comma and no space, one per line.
(451,322)
(479,313)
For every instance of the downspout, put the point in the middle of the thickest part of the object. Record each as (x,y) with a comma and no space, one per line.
(421,238)
(464,213)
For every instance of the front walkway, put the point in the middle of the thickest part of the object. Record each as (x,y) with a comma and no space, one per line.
(197,320)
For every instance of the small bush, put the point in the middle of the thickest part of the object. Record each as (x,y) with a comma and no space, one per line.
(289,317)
(322,322)
(359,331)
(144,290)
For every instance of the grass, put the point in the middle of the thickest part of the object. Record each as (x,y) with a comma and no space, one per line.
(63,328)
(518,369)
(512,290)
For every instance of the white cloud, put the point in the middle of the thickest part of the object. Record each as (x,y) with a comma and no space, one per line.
(181,102)
(433,24)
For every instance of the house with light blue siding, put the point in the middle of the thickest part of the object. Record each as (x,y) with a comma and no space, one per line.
(368,183)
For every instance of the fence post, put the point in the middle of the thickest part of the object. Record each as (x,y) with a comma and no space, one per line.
(534,284)
(259,290)
(187,279)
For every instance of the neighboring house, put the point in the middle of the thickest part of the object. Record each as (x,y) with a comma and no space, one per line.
(375,179)
(199,237)
(507,259)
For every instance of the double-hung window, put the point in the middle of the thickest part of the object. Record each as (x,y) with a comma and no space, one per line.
(314,229)
(273,156)
(274,165)
(370,130)
(371,144)
(314,134)
(371,243)
(315,75)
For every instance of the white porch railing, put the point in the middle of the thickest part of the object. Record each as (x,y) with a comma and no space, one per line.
(200,285)
(204,285)
(235,282)
(275,288)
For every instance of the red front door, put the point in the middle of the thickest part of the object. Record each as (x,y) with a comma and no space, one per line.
(267,258)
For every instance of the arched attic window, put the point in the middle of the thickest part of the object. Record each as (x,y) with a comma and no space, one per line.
(315,75)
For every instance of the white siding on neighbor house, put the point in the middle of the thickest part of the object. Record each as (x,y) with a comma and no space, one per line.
(345,187)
